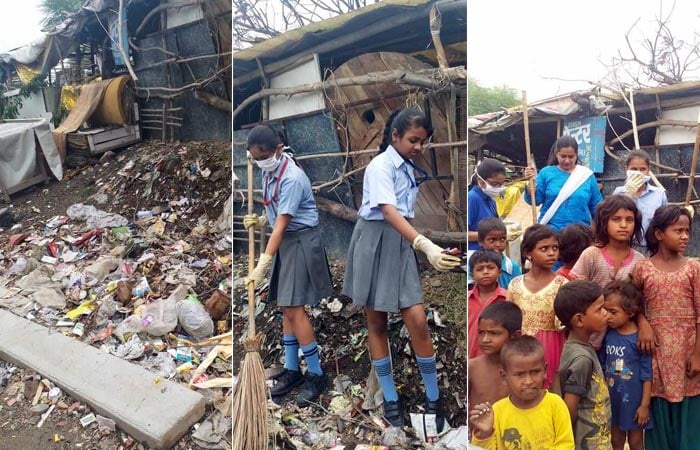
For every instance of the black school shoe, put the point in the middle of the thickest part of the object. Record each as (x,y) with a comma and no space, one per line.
(312,388)
(393,412)
(436,408)
(286,382)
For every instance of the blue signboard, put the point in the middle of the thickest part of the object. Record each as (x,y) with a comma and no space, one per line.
(589,132)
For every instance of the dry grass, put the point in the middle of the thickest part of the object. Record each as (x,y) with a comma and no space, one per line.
(449,291)
(250,416)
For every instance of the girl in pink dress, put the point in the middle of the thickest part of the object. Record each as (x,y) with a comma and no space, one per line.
(534,293)
(670,283)
(618,226)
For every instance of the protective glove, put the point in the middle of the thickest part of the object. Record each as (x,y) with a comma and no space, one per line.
(253,220)
(257,275)
(434,254)
(634,182)
(691,210)
(513,233)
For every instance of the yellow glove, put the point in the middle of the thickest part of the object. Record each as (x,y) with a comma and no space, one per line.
(434,254)
(257,275)
(691,210)
(634,183)
(253,220)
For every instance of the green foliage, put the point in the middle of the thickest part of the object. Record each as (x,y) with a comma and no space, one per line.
(10,106)
(484,100)
(61,113)
(56,11)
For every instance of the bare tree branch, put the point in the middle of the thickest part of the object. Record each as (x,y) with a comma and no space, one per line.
(258,20)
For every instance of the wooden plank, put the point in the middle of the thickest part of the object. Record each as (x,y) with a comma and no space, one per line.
(117,143)
(112,134)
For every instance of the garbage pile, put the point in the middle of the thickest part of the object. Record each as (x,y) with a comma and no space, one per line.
(140,269)
(349,412)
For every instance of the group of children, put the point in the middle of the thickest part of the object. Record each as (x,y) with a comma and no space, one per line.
(601,352)
(382,273)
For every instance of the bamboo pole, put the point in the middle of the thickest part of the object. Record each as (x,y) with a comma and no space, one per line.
(249,407)
(435,23)
(691,179)
(251,256)
(528,154)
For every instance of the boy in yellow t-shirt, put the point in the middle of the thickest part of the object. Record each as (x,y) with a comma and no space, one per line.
(530,417)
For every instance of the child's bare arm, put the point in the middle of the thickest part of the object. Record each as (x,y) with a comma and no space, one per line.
(642,414)
(572,401)
(481,418)
(646,340)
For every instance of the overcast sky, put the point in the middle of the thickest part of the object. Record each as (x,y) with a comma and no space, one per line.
(521,43)
(19,24)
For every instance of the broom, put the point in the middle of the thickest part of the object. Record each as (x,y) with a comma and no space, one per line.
(250,426)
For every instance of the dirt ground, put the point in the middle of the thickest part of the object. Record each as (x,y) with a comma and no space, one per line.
(146,176)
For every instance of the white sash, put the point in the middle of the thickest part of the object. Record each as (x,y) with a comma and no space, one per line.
(579,175)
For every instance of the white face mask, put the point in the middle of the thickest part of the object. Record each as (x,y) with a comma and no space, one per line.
(631,173)
(269,164)
(491,191)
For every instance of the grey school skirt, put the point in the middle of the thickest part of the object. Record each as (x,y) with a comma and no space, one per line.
(300,274)
(381,271)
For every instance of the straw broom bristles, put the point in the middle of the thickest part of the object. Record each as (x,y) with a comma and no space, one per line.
(250,415)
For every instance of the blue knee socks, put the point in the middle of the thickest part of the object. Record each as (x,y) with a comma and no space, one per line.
(429,374)
(312,359)
(291,352)
(386,378)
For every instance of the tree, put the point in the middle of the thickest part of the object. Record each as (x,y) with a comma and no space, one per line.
(483,100)
(656,58)
(56,11)
(258,20)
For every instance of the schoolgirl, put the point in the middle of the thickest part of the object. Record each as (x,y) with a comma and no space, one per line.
(382,269)
(300,274)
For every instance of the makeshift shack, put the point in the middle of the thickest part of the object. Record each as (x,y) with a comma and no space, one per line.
(330,87)
(666,120)
(167,49)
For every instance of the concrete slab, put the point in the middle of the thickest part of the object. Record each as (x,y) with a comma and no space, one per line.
(155,414)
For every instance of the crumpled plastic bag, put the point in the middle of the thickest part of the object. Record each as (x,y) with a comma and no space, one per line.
(132,349)
(35,281)
(162,364)
(160,317)
(94,217)
(102,267)
(128,326)
(194,318)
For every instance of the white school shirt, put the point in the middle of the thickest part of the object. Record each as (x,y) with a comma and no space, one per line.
(388,180)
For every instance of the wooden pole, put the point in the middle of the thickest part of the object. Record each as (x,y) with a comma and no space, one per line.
(435,23)
(633,113)
(251,256)
(454,161)
(691,179)
(530,183)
